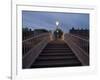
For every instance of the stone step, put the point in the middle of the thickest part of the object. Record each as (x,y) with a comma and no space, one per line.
(55,57)
(56,63)
(56,51)
(57,54)
(57,48)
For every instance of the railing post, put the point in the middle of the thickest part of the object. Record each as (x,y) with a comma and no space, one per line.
(77,45)
(33,52)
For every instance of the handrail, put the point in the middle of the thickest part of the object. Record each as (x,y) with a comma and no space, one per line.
(79,37)
(81,42)
(77,45)
(31,42)
(44,34)
(32,54)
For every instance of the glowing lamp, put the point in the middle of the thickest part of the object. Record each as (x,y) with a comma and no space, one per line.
(57,23)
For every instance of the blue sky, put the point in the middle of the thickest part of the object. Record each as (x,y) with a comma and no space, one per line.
(47,20)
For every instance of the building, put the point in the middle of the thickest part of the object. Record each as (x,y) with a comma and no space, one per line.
(40,31)
(80,32)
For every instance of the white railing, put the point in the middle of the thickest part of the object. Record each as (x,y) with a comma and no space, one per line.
(81,42)
(31,42)
(79,46)
(35,44)
(35,37)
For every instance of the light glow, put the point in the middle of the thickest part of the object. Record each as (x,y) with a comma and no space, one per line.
(57,23)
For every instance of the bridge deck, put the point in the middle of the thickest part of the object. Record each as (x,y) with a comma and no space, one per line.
(56,54)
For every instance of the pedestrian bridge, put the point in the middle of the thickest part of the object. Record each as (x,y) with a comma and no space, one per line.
(44,51)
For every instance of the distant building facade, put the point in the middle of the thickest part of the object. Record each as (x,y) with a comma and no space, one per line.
(40,31)
(81,32)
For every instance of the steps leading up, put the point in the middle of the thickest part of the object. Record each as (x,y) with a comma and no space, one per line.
(56,54)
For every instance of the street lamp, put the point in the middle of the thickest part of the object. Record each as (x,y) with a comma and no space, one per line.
(57,23)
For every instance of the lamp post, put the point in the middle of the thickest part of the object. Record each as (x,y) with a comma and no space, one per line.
(57,23)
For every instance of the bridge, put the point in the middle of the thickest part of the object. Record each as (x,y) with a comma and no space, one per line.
(44,51)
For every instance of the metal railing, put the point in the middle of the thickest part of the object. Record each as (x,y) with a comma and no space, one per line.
(81,42)
(79,46)
(37,44)
(31,42)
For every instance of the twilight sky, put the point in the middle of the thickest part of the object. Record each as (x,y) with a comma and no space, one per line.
(47,20)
